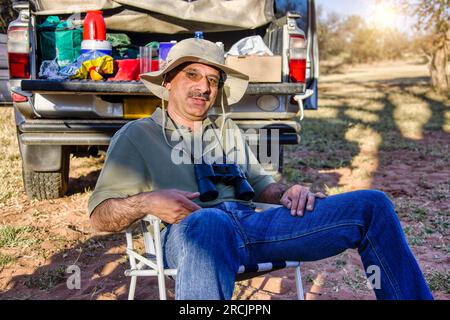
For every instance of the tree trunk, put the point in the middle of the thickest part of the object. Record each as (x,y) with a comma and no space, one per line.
(438,68)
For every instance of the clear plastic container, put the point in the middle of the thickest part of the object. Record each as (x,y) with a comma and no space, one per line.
(146,59)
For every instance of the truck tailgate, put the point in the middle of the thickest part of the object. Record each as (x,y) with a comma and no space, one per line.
(137,88)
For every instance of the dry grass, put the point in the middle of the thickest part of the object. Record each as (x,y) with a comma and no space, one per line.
(10,163)
(357,120)
(377,132)
(439,281)
(6,259)
(362,135)
(13,237)
(48,279)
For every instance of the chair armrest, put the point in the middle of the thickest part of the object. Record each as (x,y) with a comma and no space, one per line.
(151,218)
(148,218)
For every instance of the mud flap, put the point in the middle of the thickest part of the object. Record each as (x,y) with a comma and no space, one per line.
(42,158)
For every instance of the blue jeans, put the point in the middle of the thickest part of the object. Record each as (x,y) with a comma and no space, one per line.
(208,246)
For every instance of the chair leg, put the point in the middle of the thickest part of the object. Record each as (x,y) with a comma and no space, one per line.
(299,284)
(159,262)
(132,288)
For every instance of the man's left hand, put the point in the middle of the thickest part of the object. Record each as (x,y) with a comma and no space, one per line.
(299,198)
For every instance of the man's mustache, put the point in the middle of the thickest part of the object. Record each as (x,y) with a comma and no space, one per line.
(200,95)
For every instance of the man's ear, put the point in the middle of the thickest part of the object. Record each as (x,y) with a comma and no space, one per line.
(167,85)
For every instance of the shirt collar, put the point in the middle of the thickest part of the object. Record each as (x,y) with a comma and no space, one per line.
(157,116)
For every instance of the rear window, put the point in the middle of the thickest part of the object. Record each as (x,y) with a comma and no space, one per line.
(298,6)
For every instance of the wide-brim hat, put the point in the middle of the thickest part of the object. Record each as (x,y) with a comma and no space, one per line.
(199,51)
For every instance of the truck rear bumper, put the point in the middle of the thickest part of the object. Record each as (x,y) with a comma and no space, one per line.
(68,132)
(100,132)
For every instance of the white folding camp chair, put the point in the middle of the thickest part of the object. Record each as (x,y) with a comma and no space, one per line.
(150,263)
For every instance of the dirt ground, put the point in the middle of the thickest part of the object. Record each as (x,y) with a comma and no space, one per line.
(378,127)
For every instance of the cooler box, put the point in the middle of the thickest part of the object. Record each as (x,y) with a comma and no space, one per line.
(258,68)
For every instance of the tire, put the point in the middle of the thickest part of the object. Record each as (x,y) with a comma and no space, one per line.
(47,185)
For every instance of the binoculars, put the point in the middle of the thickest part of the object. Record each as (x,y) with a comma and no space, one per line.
(207,175)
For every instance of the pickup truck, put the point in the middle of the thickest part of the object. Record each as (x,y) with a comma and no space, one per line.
(58,119)
(5,94)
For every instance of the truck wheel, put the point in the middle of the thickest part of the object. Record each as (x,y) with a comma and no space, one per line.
(47,185)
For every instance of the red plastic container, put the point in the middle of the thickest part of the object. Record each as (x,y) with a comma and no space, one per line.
(94,27)
(127,70)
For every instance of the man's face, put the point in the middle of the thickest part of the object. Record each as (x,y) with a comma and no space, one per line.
(192,90)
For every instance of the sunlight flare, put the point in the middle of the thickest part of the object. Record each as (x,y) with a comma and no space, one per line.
(384,15)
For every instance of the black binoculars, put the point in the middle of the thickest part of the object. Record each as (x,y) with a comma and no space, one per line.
(208,175)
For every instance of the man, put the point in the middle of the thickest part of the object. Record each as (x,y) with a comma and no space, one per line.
(207,240)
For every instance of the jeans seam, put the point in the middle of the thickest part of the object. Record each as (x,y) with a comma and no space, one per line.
(308,233)
(183,253)
(240,229)
(386,268)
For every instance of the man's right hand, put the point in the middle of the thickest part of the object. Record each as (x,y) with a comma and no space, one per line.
(170,205)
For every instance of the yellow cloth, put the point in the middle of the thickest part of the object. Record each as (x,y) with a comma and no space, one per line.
(94,69)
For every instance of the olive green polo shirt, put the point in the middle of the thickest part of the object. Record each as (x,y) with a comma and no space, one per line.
(140,160)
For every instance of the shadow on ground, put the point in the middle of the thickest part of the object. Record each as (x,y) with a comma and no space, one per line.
(362,133)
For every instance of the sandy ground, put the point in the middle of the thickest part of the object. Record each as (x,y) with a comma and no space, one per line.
(56,234)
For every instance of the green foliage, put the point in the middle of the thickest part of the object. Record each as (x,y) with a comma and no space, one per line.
(12,237)
(47,280)
(433,16)
(351,40)
(439,281)
(6,259)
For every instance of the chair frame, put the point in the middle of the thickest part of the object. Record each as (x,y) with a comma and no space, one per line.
(151,263)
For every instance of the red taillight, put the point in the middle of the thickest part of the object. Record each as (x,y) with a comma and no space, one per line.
(18,98)
(297,70)
(19,65)
(18,52)
(297,58)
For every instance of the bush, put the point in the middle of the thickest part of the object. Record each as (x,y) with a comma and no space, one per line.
(353,41)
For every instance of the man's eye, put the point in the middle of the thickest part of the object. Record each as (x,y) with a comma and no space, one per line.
(213,81)
(192,75)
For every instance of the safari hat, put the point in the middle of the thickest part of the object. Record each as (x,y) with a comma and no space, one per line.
(199,51)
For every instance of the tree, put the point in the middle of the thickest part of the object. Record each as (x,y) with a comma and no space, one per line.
(7,14)
(434,16)
(395,44)
(365,46)
(330,37)
(349,38)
